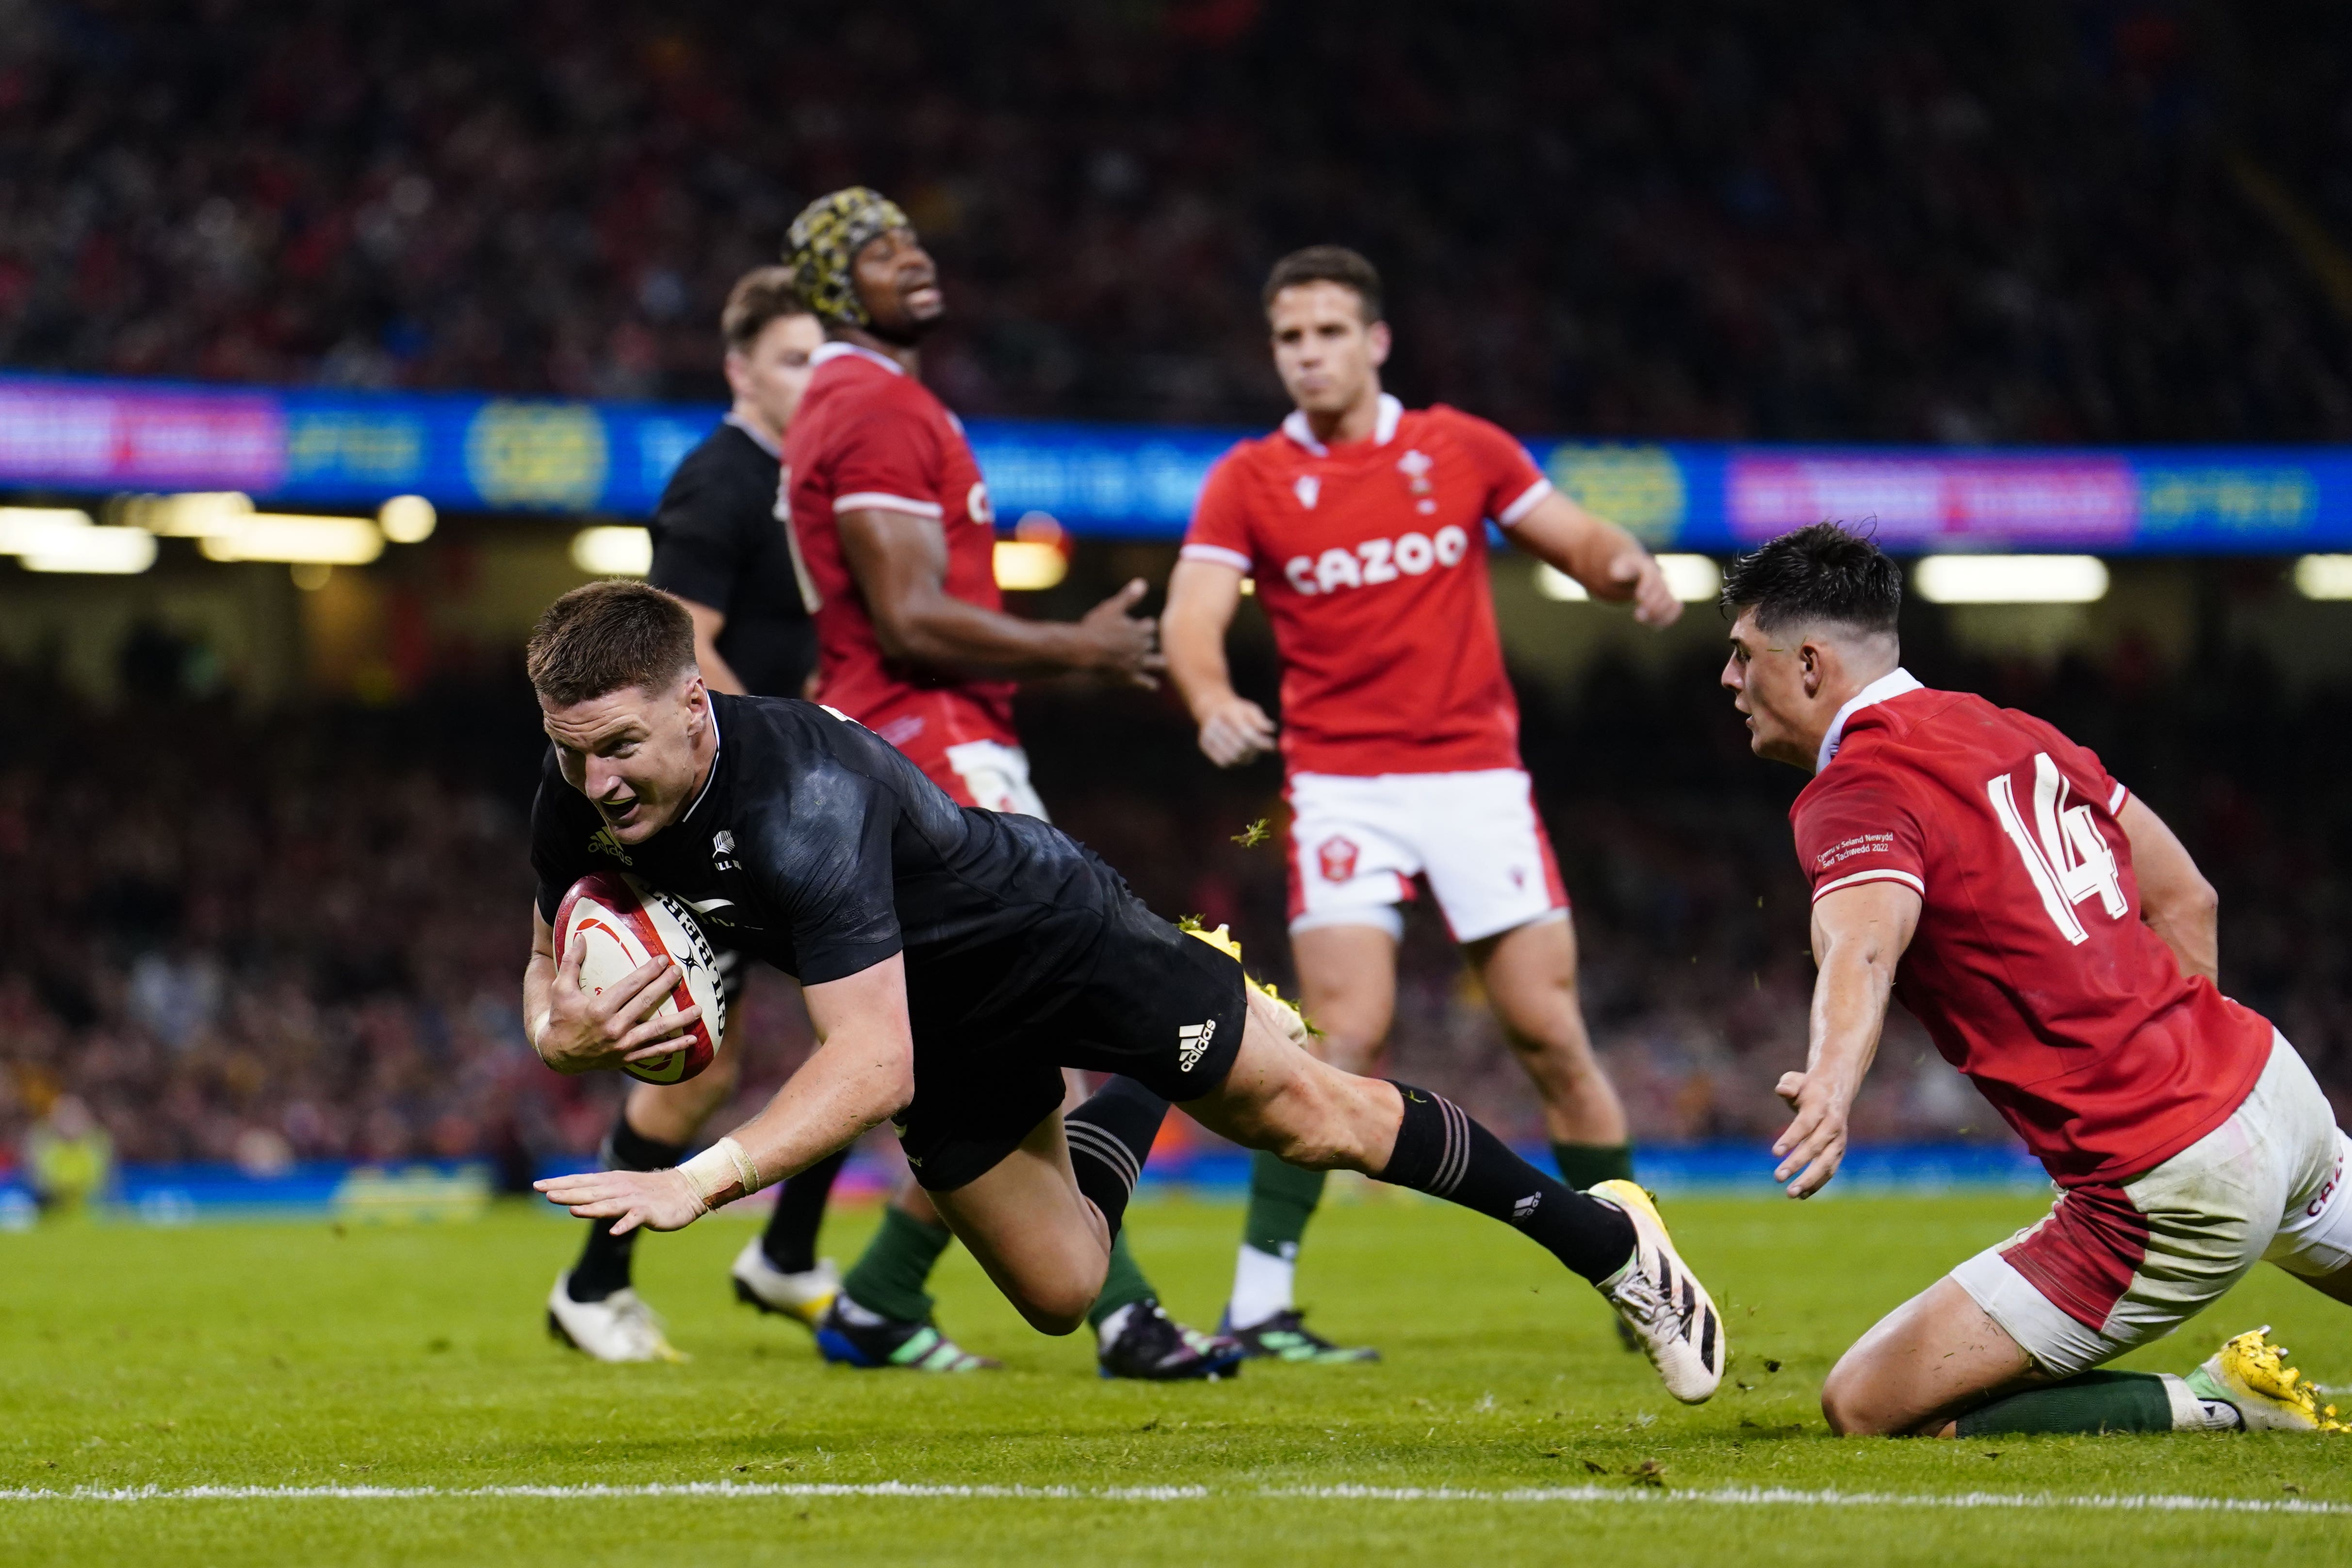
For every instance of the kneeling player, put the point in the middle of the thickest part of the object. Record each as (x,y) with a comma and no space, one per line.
(953,961)
(2058,943)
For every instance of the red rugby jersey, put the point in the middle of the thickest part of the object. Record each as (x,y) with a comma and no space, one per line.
(867,434)
(1370,560)
(2031,967)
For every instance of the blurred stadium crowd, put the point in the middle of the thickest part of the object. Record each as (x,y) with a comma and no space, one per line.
(2096,221)
(303,939)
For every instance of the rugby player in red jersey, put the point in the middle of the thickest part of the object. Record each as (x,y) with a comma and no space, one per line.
(895,546)
(2060,947)
(1363,525)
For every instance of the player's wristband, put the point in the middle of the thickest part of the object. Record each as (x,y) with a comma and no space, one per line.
(722,1165)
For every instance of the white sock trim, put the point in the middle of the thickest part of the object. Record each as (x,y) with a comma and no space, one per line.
(1262,1287)
(2191,1413)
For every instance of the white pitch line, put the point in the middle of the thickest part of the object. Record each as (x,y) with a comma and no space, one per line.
(1721,1497)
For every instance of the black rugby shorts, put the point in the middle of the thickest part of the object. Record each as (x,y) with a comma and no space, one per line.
(1144,1000)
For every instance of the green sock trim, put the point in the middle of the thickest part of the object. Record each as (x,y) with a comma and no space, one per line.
(1583,1165)
(2089,1402)
(889,1278)
(1282,1198)
(1123,1286)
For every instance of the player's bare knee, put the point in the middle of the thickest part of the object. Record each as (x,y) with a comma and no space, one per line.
(1059,1303)
(1059,1316)
(1847,1406)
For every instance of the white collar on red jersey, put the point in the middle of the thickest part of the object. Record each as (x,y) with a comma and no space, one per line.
(1894,683)
(836,349)
(1384,426)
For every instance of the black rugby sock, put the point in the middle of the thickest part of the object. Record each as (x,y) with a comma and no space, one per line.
(604,1266)
(1441,1152)
(789,1240)
(1110,1137)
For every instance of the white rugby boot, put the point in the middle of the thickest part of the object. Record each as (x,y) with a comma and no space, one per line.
(619,1328)
(1658,1297)
(802,1297)
(2250,1375)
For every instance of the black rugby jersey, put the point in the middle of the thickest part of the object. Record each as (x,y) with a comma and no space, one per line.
(816,846)
(719,541)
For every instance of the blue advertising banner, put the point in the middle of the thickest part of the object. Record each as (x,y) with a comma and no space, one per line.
(411,1192)
(352,449)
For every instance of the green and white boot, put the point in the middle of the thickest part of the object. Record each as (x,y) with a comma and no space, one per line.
(878,1343)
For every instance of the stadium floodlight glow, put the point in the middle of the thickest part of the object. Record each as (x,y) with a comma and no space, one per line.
(1693,579)
(407,519)
(1026,565)
(108,552)
(2323,576)
(611,549)
(298,539)
(25,529)
(1554,583)
(197,514)
(2009,578)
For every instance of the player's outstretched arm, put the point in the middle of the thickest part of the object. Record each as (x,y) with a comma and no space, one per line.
(1202,598)
(862,1072)
(2175,900)
(900,562)
(1609,561)
(1859,935)
(574,1030)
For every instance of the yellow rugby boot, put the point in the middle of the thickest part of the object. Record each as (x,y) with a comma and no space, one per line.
(2250,1375)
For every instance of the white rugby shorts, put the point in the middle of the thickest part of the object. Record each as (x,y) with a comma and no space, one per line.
(1357,843)
(2113,1267)
(994,775)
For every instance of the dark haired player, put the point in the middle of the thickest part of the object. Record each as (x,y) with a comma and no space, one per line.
(897,548)
(1364,525)
(721,548)
(954,960)
(2058,945)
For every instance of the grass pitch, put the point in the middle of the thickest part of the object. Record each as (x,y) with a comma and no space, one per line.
(302,1367)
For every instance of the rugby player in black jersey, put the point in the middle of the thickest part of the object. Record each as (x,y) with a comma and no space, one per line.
(953,961)
(722,550)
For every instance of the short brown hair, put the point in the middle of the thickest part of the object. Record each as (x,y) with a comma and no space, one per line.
(604,635)
(762,295)
(1326,264)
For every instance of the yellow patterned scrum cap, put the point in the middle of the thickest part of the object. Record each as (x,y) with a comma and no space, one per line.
(826,240)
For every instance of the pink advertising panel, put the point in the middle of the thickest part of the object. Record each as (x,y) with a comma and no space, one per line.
(1933,501)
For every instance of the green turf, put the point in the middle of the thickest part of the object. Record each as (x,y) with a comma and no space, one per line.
(298,1355)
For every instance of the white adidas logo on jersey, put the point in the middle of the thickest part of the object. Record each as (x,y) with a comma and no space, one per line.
(1193,1044)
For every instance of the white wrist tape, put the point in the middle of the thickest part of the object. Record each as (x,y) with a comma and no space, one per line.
(721,1165)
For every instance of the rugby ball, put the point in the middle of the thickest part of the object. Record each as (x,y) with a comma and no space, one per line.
(625,923)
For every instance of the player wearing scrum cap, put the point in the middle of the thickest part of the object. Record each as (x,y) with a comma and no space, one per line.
(897,552)
(2061,948)
(954,961)
(719,547)
(1364,525)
